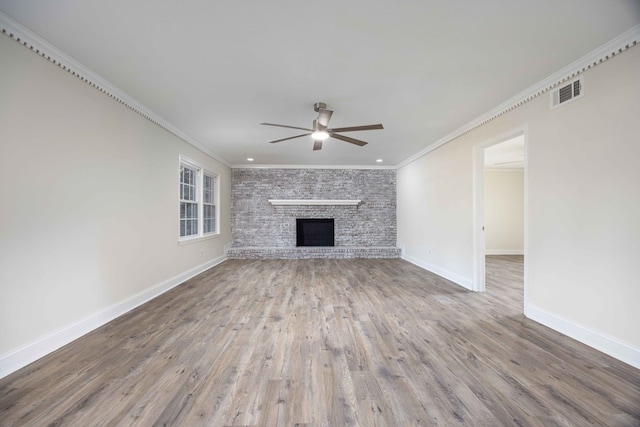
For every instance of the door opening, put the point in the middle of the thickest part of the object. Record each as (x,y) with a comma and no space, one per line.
(494,227)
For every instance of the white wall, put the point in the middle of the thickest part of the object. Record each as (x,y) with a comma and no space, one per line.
(89,210)
(504,212)
(434,206)
(583,207)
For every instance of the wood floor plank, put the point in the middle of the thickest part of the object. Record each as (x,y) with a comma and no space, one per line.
(326,343)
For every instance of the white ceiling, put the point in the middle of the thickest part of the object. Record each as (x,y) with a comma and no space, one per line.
(506,155)
(215,69)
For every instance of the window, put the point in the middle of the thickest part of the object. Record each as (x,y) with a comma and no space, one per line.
(188,201)
(208,204)
(198,201)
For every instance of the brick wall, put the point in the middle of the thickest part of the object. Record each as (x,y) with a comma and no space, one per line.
(256,223)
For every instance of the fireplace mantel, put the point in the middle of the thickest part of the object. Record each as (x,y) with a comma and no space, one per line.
(316,202)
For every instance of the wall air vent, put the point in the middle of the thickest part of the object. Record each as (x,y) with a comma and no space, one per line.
(567,92)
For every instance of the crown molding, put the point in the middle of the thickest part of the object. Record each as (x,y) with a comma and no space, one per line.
(617,45)
(46,50)
(267,166)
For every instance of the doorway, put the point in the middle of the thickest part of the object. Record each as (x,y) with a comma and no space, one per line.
(504,155)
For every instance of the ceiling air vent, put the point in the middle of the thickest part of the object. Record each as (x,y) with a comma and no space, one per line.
(567,93)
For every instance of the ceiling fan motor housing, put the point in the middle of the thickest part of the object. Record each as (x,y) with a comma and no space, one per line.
(317,126)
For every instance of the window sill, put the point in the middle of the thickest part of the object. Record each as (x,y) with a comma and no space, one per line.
(189,240)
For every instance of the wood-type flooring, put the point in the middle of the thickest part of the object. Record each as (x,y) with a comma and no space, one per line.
(361,342)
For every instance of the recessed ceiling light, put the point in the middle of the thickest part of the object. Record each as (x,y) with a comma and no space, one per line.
(379,160)
(249,159)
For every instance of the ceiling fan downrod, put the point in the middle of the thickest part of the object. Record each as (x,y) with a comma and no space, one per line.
(319,106)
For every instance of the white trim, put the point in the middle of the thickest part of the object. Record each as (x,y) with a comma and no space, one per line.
(504,251)
(216,202)
(279,202)
(479,242)
(252,166)
(38,45)
(595,339)
(465,282)
(195,239)
(526,220)
(184,160)
(504,169)
(597,56)
(21,357)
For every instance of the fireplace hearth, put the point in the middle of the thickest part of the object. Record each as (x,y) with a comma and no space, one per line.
(315,232)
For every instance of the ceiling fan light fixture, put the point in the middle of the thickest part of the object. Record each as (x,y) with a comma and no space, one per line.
(319,135)
(321,130)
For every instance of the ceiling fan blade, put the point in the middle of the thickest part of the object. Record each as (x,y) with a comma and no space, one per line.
(291,137)
(347,139)
(285,126)
(355,128)
(323,117)
(317,144)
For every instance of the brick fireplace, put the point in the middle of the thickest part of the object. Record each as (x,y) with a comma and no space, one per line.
(265,204)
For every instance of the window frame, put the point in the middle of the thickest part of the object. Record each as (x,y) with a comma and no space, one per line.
(188,201)
(200,172)
(214,202)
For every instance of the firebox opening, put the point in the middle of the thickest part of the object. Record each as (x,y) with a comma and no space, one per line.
(314,232)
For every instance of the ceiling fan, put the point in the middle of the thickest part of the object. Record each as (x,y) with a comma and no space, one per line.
(321,130)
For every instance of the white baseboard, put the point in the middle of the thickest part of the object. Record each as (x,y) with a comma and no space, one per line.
(21,357)
(597,340)
(465,282)
(504,252)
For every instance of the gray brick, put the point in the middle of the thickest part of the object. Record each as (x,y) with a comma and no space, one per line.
(255,223)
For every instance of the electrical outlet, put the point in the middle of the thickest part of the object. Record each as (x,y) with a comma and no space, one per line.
(201,253)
